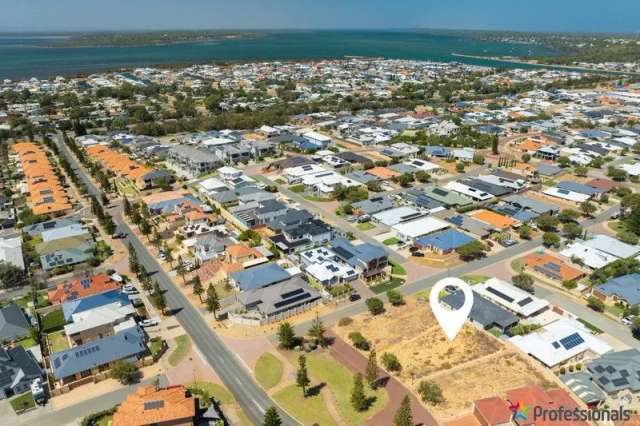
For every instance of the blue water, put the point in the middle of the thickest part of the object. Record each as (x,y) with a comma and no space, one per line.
(25,56)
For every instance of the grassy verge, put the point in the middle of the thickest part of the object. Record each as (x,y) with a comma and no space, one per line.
(309,411)
(614,310)
(339,379)
(591,327)
(22,402)
(472,279)
(297,188)
(366,226)
(387,285)
(220,393)
(268,370)
(182,349)
(391,241)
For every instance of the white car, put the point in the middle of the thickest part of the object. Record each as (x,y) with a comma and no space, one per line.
(149,322)
(129,290)
(162,257)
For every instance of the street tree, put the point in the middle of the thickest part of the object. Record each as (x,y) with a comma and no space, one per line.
(286,336)
(317,331)
(197,287)
(213,301)
(271,417)
(302,376)
(403,416)
(372,369)
(358,397)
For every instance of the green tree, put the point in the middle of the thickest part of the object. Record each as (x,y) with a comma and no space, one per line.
(588,208)
(395,298)
(125,372)
(572,230)
(524,231)
(375,305)
(403,416)
(197,287)
(422,176)
(459,167)
(317,331)
(472,250)
(524,282)
(405,179)
(430,392)
(568,215)
(595,304)
(371,372)
(547,223)
(134,265)
(286,336)
(391,362)
(212,301)
(302,376)
(358,397)
(550,239)
(181,270)
(271,417)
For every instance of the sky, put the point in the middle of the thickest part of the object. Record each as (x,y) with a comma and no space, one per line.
(520,15)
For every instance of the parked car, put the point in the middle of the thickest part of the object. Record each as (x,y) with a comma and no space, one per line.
(508,243)
(162,257)
(417,254)
(364,218)
(149,322)
(354,296)
(136,301)
(129,290)
(120,235)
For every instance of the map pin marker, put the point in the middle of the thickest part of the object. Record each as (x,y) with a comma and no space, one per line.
(451,321)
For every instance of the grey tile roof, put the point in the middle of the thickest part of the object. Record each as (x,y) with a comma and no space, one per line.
(483,311)
(17,367)
(279,297)
(260,276)
(537,206)
(626,287)
(13,323)
(582,386)
(125,344)
(374,205)
(616,371)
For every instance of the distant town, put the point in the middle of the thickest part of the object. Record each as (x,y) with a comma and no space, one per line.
(255,243)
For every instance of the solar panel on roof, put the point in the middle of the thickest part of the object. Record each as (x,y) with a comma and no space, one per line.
(556,345)
(620,382)
(153,405)
(499,294)
(441,192)
(552,266)
(624,373)
(525,301)
(571,341)
(603,380)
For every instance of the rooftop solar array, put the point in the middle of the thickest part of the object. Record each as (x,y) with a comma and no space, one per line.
(571,341)
(499,294)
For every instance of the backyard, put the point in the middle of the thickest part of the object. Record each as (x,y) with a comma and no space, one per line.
(58,341)
(52,321)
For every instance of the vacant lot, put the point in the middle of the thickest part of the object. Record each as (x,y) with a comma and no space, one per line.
(475,365)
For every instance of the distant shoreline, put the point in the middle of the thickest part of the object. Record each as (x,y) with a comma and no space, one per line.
(537,64)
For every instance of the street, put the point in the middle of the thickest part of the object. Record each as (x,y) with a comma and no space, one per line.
(253,400)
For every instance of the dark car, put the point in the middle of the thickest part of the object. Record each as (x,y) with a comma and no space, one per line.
(119,235)
(417,254)
(354,296)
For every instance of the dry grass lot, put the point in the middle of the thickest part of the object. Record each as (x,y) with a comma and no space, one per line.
(475,365)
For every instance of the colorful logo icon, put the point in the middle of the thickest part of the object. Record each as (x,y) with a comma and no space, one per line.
(519,410)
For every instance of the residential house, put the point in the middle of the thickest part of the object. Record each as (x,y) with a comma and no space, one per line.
(18,369)
(258,212)
(82,287)
(624,289)
(617,372)
(530,204)
(151,405)
(478,228)
(259,276)
(449,198)
(443,242)
(484,313)
(65,251)
(409,231)
(468,191)
(511,298)
(11,251)
(582,384)
(74,306)
(367,259)
(13,323)
(89,359)
(495,220)
(97,323)
(373,205)
(551,267)
(561,342)
(278,301)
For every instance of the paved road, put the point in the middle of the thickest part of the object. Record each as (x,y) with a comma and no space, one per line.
(253,400)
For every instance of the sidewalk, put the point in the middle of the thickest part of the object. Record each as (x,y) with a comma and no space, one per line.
(356,362)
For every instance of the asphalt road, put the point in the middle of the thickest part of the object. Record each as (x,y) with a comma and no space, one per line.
(253,400)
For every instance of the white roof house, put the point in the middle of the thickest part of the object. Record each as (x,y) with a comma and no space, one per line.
(315,136)
(589,256)
(426,225)
(295,174)
(566,194)
(559,342)
(331,272)
(425,166)
(468,191)
(394,216)
(326,181)
(113,313)
(510,297)
(212,184)
(612,246)
(11,251)
(632,169)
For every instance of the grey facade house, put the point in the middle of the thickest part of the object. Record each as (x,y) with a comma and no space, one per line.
(582,385)
(259,276)
(18,368)
(13,323)
(486,314)
(374,205)
(192,161)
(536,206)
(368,259)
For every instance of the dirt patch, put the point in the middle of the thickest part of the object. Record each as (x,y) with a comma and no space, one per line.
(475,365)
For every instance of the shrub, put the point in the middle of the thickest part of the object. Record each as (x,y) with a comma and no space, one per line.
(391,362)
(395,298)
(375,306)
(359,341)
(345,321)
(430,392)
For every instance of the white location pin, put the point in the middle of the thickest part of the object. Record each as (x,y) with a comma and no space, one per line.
(451,321)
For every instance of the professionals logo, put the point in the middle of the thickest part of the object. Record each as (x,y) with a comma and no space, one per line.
(519,410)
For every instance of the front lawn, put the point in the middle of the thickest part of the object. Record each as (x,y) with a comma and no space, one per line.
(614,310)
(297,188)
(310,410)
(58,341)
(22,402)
(387,285)
(155,346)
(183,345)
(391,241)
(396,268)
(473,279)
(323,368)
(268,370)
(52,321)
(366,226)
